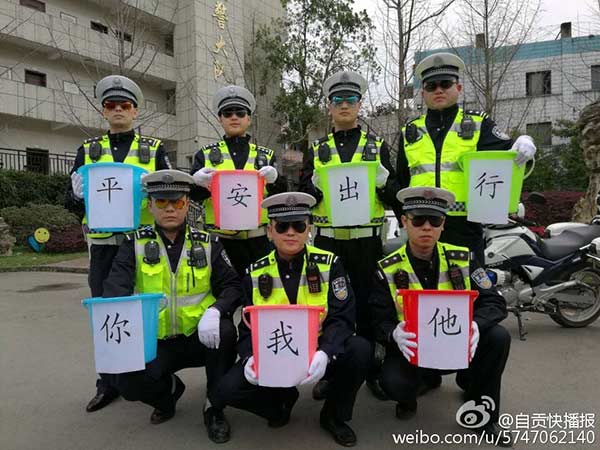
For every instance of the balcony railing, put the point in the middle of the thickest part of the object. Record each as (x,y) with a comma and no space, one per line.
(36,160)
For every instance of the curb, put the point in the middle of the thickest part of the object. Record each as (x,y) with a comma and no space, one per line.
(45,269)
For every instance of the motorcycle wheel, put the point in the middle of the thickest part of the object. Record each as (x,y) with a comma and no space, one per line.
(570,317)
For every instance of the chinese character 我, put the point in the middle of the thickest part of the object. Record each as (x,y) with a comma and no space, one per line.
(280,334)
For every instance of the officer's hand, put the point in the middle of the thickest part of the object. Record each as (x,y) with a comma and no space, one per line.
(382,176)
(474,338)
(269,173)
(403,340)
(317,368)
(208,328)
(203,177)
(316,180)
(525,149)
(249,371)
(77,185)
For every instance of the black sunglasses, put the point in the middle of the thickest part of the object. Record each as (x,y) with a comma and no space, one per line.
(241,113)
(434,221)
(431,86)
(298,226)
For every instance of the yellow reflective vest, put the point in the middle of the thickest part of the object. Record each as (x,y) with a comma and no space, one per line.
(187,290)
(421,157)
(449,255)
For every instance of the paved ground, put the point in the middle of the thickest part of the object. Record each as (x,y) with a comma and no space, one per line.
(47,377)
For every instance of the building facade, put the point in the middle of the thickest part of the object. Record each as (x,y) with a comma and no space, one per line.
(180,52)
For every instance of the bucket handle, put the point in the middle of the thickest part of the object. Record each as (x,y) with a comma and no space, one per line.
(246,321)
(530,171)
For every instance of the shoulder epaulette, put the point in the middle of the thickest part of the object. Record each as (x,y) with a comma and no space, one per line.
(93,139)
(318,142)
(209,146)
(265,150)
(474,112)
(145,233)
(149,140)
(457,255)
(198,235)
(373,137)
(320,258)
(263,262)
(390,260)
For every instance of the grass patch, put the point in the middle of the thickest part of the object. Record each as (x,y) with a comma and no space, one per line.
(24,257)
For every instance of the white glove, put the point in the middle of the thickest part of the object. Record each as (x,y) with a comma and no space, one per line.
(77,185)
(525,149)
(249,372)
(382,176)
(203,177)
(403,341)
(269,173)
(317,368)
(208,328)
(474,338)
(316,180)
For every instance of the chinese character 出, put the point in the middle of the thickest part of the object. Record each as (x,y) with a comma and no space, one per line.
(109,187)
(281,334)
(348,190)
(220,45)
(220,14)
(482,181)
(446,323)
(239,195)
(116,324)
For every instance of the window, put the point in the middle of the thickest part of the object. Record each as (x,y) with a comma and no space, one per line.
(541,133)
(36,78)
(100,28)
(538,83)
(596,78)
(37,160)
(171,101)
(168,40)
(6,72)
(68,17)
(34,4)
(70,87)
(123,35)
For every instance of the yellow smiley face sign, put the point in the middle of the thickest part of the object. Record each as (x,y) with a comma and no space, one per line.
(41,235)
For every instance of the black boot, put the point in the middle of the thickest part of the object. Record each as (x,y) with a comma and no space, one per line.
(376,389)
(217,426)
(406,410)
(162,415)
(283,418)
(319,391)
(105,394)
(341,432)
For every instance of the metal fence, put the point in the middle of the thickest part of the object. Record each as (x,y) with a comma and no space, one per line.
(36,160)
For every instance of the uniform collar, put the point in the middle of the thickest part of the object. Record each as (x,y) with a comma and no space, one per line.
(119,137)
(237,139)
(442,113)
(346,133)
(180,234)
(294,264)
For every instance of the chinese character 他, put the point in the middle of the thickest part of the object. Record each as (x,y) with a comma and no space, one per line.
(448,323)
(123,323)
(220,45)
(239,194)
(351,191)
(280,334)
(110,186)
(220,13)
(487,182)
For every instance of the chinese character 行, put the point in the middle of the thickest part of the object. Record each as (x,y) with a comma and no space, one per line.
(281,334)
(483,181)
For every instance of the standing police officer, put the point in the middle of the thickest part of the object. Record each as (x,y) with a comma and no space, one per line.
(296,273)
(358,247)
(433,143)
(120,98)
(234,105)
(202,292)
(426,263)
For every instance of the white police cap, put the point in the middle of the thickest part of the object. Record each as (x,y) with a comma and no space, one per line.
(232,96)
(421,201)
(118,87)
(345,82)
(169,184)
(440,66)
(289,206)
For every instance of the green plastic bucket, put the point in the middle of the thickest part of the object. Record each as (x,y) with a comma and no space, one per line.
(518,174)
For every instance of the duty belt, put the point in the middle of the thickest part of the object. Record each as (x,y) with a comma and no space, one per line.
(345,234)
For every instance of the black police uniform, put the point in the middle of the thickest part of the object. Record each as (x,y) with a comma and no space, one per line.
(241,252)
(400,379)
(153,385)
(349,355)
(101,256)
(457,229)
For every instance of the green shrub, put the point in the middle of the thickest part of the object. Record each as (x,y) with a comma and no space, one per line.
(23,221)
(20,188)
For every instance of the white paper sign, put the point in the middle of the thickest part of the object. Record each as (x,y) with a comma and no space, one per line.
(110,197)
(443,331)
(283,359)
(489,190)
(118,330)
(350,201)
(238,201)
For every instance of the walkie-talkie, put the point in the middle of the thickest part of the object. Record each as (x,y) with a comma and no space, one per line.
(369,151)
(95,151)
(456,278)
(143,152)
(313,278)
(215,156)
(151,252)
(324,152)
(198,256)
(401,279)
(265,285)
(411,133)
(467,127)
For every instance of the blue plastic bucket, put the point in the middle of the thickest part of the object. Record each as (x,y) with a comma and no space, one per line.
(138,193)
(150,303)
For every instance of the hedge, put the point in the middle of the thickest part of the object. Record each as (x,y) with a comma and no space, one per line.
(20,188)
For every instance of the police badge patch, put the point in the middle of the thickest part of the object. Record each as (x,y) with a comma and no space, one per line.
(340,288)
(481,279)
(496,131)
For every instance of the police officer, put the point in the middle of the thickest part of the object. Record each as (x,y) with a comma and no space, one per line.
(432,144)
(358,247)
(235,105)
(296,273)
(426,263)
(202,291)
(120,98)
